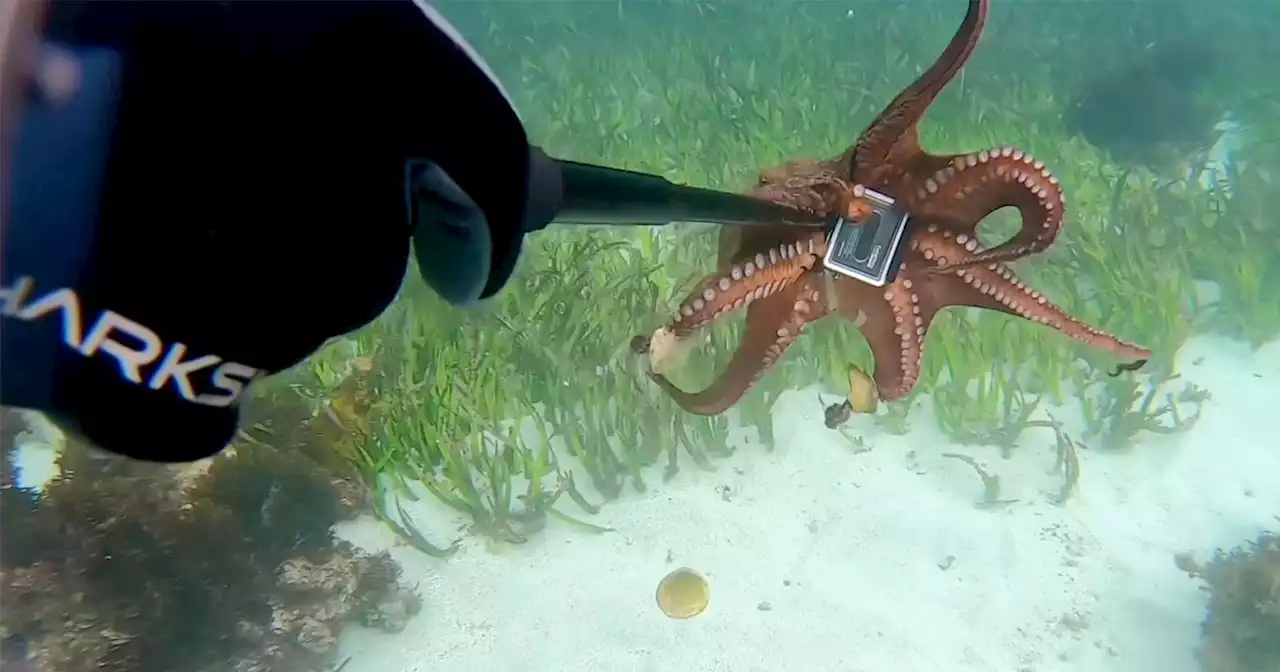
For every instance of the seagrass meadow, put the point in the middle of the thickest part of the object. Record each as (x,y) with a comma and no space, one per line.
(707,94)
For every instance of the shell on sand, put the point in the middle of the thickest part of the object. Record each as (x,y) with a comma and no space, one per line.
(683,593)
(863,396)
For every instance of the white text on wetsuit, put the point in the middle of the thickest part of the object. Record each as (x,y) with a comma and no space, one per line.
(140,347)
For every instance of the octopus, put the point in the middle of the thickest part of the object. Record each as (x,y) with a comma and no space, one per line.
(776,272)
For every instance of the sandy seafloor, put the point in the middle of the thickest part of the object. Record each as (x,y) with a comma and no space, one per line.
(823,559)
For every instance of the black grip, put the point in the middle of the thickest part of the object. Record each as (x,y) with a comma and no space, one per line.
(600,195)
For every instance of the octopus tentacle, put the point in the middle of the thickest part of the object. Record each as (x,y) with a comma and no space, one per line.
(972,186)
(894,322)
(896,123)
(772,325)
(995,287)
(746,281)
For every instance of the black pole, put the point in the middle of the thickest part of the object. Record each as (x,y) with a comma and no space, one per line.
(600,195)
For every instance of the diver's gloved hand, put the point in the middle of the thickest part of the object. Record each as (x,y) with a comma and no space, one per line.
(260,170)
(467,250)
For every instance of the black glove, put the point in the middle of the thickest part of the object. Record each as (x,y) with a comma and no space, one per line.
(254,205)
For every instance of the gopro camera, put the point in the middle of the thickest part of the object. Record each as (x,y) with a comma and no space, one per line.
(870,251)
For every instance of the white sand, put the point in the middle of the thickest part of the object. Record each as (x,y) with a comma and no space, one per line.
(862,539)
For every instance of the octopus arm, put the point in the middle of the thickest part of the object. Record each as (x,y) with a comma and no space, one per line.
(969,187)
(897,121)
(894,320)
(995,287)
(772,325)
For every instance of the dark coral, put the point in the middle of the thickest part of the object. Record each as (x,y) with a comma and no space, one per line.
(231,564)
(1242,630)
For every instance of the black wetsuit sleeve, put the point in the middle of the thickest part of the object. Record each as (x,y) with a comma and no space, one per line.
(254,205)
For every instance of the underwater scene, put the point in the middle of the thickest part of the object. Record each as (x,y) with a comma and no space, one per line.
(1051,444)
